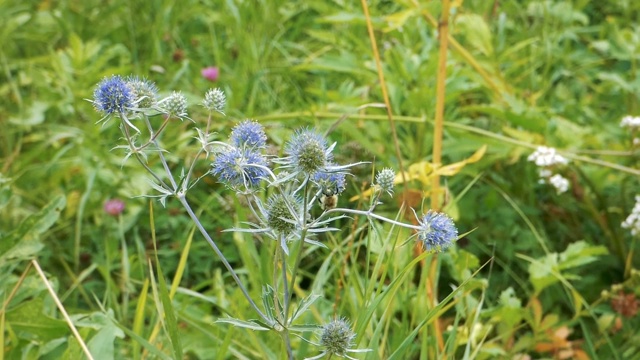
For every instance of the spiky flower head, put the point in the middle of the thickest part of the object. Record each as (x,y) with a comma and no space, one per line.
(113,95)
(239,168)
(144,91)
(308,151)
(249,134)
(384,179)
(279,216)
(215,100)
(175,105)
(437,231)
(337,337)
(330,182)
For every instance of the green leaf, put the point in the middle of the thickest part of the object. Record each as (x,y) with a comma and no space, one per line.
(580,253)
(24,242)
(30,322)
(476,31)
(243,324)
(170,316)
(511,307)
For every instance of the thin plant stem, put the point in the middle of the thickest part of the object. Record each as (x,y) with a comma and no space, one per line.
(160,155)
(132,147)
(66,317)
(226,264)
(443,34)
(286,295)
(383,86)
(294,271)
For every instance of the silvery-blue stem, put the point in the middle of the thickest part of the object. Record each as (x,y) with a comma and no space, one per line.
(226,264)
(375,216)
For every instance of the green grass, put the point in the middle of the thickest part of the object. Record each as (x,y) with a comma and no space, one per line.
(519,74)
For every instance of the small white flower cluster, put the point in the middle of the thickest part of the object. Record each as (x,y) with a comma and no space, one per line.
(547,158)
(632,221)
(629,121)
(633,123)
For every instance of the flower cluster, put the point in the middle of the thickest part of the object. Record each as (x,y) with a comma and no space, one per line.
(632,122)
(240,165)
(437,231)
(113,96)
(384,180)
(336,337)
(547,158)
(632,222)
(215,100)
(305,174)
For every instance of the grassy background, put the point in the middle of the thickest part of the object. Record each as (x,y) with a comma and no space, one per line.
(519,74)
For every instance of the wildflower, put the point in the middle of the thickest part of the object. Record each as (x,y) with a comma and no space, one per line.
(113,95)
(175,105)
(333,182)
(625,304)
(437,231)
(279,215)
(547,156)
(239,167)
(210,73)
(308,152)
(114,207)
(248,134)
(145,92)
(629,121)
(337,338)
(384,179)
(215,100)
(632,221)
(560,183)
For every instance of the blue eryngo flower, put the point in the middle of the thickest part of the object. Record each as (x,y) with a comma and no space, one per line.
(239,168)
(281,214)
(308,152)
(437,231)
(330,182)
(113,96)
(248,134)
(336,338)
(144,91)
(175,105)
(384,179)
(215,100)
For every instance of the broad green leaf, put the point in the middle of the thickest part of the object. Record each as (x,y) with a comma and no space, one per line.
(476,31)
(24,242)
(510,309)
(29,321)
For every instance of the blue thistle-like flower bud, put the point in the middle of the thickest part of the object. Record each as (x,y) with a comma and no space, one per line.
(144,91)
(175,105)
(278,211)
(248,134)
(239,167)
(333,183)
(113,95)
(437,231)
(215,100)
(308,151)
(337,337)
(384,179)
